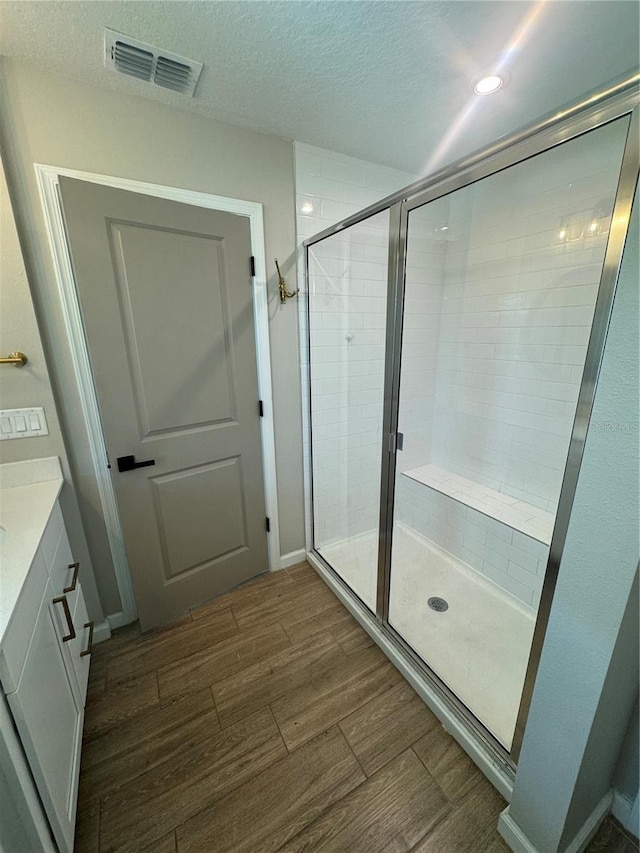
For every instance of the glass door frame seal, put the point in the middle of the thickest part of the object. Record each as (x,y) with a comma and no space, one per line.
(616,101)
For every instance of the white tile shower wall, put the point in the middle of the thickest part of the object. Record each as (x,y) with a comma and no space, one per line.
(348,341)
(420,336)
(512,560)
(518,303)
(517,514)
(496,324)
(347,336)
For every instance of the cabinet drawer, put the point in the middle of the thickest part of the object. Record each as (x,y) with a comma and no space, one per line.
(80,647)
(18,635)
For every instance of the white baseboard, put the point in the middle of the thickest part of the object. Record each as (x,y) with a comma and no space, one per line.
(119,620)
(513,835)
(621,807)
(519,843)
(293,558)
(494,772)
(591,825)
(101,631)
(633,821)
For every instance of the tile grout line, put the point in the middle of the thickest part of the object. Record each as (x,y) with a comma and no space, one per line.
(288,691)
(339,720)
(379,697)
(233,616)
(444,816)
(353,752)
(286,746)
(439,786)
(138,772)
(215,707)
(99,824)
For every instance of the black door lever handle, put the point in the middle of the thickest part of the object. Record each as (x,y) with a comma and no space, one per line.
(128,463)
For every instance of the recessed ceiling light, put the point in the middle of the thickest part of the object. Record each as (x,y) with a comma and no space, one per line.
(488,85)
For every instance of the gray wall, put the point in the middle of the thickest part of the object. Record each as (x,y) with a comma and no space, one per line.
(53,120)
(608,729)
(30,385)
(587,683)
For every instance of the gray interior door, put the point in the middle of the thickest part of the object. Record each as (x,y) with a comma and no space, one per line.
(166,296)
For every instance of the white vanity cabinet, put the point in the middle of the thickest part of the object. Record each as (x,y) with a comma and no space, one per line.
(44,666)
(49,723)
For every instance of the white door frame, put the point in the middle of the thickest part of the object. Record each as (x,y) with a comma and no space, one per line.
(48,185)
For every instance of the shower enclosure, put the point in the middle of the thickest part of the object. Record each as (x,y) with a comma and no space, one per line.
(455,335)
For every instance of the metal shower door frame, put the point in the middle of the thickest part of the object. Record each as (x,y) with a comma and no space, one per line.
(596,110)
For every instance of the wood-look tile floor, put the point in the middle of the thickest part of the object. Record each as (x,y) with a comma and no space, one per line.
(267,720)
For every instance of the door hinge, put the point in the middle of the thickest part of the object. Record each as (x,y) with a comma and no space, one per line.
(108,461)
(260,409)
(252,262)
(267,524)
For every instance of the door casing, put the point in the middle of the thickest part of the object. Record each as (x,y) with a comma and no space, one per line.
(47,180)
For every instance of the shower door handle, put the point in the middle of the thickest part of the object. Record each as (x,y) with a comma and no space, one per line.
(396,441)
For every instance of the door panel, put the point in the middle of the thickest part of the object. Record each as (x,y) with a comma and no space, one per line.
(186,502)
(166,298)
(150,268)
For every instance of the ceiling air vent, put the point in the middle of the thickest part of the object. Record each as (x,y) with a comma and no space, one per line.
(149,63)
(131,60)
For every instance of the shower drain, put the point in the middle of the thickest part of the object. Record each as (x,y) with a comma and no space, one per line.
(438,604)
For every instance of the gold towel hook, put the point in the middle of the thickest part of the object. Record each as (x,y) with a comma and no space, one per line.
(18,359)
(282,286)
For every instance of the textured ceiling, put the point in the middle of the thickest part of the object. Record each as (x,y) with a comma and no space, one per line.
(390,82)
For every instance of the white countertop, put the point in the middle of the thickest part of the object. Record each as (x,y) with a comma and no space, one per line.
(28,492)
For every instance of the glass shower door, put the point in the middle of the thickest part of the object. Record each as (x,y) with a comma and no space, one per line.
(347,322)
(501,282)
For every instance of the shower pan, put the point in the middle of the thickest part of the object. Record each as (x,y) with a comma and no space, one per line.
(455,333)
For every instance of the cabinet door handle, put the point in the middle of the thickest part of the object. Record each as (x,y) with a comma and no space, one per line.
(62,599)
(74,579)
(89,648)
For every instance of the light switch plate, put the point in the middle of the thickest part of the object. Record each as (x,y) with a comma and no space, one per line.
(22,423)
